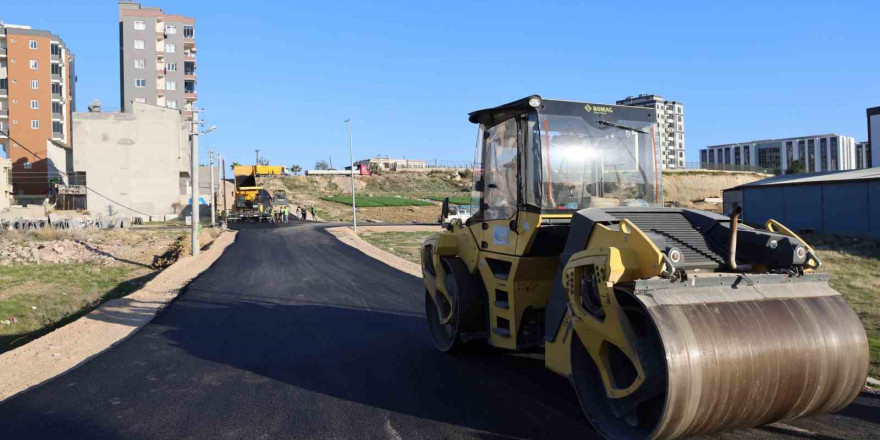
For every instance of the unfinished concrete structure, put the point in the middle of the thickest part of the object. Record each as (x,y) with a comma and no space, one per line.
(138,158)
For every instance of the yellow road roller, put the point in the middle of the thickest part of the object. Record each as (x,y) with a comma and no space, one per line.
(668,322)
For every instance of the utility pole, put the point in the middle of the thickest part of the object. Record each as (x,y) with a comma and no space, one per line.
(354,216)
(194,153)
(258,157)
(213,199)
(223,185)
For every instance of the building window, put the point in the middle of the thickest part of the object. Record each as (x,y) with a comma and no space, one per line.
(736,155)
(139,64)
(727,155)
(747,160)
(171,67)
(32,44)
(139,25)
(704,156)
(35,85)
(170,48)
(35,104)
(171,104)
(138,44)
(170,85)
(811,156)
(35,124)
(34,65)
(823,154)
(141,100)
(57,127)
(834,166)
(188,32)
(768,157)
(57,107)
(55,49)
(789,154)
(56,69)
(140,83)
(171,29)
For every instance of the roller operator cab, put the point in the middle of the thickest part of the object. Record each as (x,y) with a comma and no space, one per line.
(669,322)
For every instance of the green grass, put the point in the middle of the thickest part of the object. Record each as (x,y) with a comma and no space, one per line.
(375,201)
(406,245)
(454,200)
(43,297)
(854,266)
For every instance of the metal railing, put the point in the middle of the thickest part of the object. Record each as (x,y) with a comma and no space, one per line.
(728,167)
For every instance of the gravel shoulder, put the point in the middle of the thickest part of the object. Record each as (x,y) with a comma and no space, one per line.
(74,344)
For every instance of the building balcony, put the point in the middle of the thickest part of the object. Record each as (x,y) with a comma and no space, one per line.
(191,95)
(57,135)
(57,96)
(4,93)
(160,72)
(189,43)
(56,77)
(189,56)
(4,113)
(160,35)
(55,58)
(57,116)
(190,76)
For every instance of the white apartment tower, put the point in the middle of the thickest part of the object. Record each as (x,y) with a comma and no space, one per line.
(670,120)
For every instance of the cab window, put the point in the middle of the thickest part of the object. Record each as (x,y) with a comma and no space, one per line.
(500,171)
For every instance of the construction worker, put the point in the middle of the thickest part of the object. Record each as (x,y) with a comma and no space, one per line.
(286,213)
(304,212)
(261,211)
(313,213)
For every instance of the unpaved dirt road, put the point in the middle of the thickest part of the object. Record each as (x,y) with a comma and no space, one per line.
(293,334)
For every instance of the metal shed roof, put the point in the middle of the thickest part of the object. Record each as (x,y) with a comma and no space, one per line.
(815,178)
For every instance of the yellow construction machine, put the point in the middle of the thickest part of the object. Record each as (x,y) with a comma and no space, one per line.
(669,322)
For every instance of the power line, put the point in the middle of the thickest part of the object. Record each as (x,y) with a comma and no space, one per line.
(48,162)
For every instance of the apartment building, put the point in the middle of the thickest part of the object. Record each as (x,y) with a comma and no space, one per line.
(670,120)
(157,58)
(864,157)
(824,152)
(37,83)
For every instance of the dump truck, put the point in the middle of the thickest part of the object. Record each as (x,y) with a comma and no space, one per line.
(668,322)
(249,193)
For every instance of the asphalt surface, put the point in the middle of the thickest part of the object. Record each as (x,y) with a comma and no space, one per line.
(292,334)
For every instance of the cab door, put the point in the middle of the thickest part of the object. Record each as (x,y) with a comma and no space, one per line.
(500,187)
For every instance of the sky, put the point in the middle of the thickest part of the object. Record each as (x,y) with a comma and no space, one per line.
(284,76)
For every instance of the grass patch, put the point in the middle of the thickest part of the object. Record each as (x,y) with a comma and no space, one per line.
(854,266)
(453,200)
(43,297)
(406,245)
(376,201)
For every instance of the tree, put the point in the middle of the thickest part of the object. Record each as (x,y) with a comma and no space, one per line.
(295,169)
(797,166)
(263,161)
(374,168)
(234,164)
(321,165)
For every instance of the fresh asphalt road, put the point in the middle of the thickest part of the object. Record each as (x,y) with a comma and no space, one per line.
(292,334)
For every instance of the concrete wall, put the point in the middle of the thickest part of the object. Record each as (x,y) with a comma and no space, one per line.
(846,208)
(5,183)
(133,158)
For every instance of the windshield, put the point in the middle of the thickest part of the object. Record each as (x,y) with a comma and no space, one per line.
(580,159)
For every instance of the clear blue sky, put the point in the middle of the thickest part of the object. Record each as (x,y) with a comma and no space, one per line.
(284,75)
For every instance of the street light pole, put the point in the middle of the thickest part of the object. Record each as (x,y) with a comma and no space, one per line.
(258,157)
(194,155)
(354,217)
(213,200)
(223,186)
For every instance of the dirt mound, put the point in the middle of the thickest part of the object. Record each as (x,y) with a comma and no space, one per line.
(689,189)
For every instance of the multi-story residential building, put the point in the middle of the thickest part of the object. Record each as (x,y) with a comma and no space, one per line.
(36,103)
(670,119)
(157,58)
(825,152)
(864,157)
